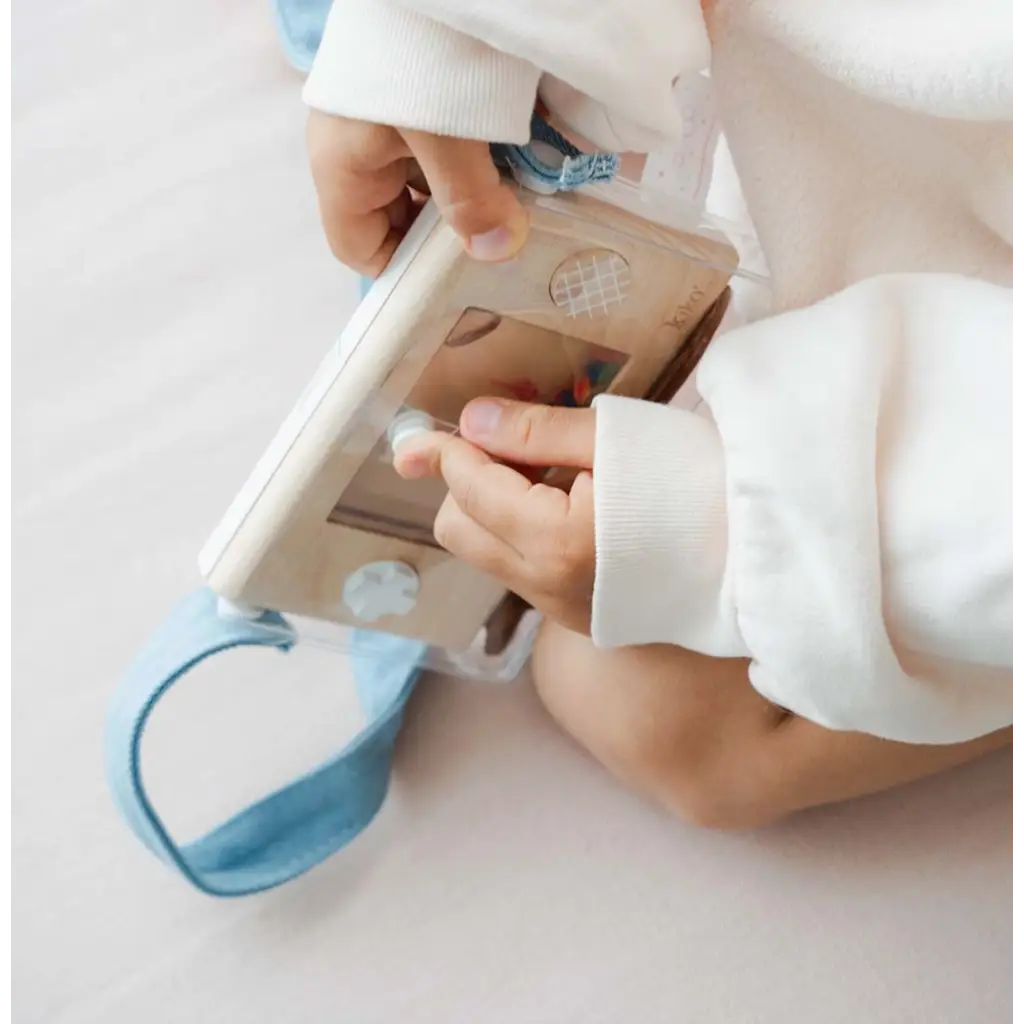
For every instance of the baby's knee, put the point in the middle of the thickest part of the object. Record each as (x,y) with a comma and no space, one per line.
(651,717)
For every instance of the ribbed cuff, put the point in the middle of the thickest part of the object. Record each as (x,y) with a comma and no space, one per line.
(378,62)
(661,531)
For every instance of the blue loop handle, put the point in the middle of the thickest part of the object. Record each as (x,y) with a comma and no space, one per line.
(296,827)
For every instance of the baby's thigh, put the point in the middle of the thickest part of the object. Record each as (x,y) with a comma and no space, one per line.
(691,733)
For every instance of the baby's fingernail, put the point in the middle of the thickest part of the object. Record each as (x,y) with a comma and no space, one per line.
(495,245)
(480,418)
(411,465)
(503,242)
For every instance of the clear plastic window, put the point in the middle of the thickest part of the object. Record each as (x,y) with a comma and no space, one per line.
(484,354)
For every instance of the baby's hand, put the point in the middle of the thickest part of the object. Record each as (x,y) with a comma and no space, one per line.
(368,179)
(537,540)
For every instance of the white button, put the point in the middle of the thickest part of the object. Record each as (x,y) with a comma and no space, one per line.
(408,424)
(381,588)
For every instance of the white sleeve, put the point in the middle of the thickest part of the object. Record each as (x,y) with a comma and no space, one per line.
(845,521)
(471,68)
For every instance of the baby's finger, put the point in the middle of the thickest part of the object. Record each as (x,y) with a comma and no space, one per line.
(360,172)
(487,491)
(581,500)
(419,456)
(468,191)
(534,435)
(365,244)
(470,542)
(501,500)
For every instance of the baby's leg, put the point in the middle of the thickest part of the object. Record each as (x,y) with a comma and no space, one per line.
(692,734)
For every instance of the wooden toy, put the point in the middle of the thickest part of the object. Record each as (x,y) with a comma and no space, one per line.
(600,299)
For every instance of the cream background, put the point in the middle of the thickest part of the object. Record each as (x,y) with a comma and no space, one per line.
(171,296)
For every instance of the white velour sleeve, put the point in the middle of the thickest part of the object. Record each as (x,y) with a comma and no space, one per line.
(845,521)
(471,68)
(379,61)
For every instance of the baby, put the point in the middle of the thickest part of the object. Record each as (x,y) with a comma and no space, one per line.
(808,598)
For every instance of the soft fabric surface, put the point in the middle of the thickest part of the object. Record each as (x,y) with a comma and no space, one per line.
(172,296)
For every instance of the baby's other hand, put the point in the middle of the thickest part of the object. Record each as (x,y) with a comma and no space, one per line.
(536,539)
(370,178)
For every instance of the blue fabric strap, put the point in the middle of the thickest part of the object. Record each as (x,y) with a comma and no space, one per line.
(575,169)
(295,828)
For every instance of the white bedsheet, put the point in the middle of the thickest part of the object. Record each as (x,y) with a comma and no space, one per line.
(172,295)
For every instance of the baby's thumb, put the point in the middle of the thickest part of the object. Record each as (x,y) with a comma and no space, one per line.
(465,185)
(531,435)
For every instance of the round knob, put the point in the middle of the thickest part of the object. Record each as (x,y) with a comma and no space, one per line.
(381,588)
(407,424)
